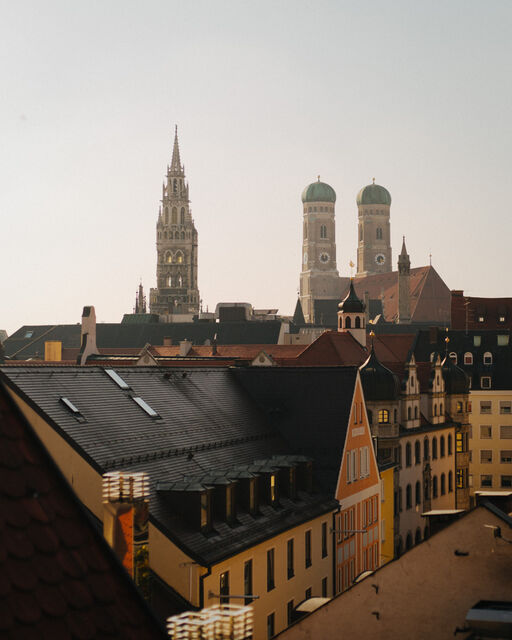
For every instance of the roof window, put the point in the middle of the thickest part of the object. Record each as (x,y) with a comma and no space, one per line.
(117,379)
(28,334)
(72,408)
(145,406)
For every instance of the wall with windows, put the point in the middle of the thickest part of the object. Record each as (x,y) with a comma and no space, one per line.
(283,571)
(490,441)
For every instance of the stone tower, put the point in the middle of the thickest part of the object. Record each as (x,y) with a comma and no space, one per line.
(374,246)
(404,286)
(176,292)
(351,316)
(319,277)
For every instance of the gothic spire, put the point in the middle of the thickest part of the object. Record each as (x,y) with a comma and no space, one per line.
(176,160)
(404,250)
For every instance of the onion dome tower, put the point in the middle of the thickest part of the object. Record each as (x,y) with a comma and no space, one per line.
(351,316)
(319,278)
(456,382)
(374,246)
(380,384)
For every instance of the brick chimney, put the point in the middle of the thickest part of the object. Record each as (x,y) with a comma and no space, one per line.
(125,522)
(88,335)
(185,346)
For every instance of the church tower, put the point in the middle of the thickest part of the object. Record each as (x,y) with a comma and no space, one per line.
(374,246)
(176,293)
(319,277)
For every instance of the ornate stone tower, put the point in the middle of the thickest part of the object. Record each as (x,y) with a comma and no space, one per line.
(404,286)
(374,246)
(176,292)
(319,277)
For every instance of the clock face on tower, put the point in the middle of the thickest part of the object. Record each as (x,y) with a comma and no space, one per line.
(324,257)
(380,258)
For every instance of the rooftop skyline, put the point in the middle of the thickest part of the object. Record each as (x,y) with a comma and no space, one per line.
(266,98)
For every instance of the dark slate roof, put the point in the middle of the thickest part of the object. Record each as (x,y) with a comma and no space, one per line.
(326,312)
(28,342)
(461,342)
(58,577)
(206,422)
(310,406)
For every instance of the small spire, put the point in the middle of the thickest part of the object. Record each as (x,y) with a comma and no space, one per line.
(318,178)
(404,250)
(176,160)
(373,180)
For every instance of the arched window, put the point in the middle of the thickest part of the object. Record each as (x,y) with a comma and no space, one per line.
(425,449)
(179,257)
(408,455)
(453,356)
(449,444)
(441,446)
(426,533)
(180,280)
(183,235)
(323,231)
(174,216)
(415,413)
(408,413)
(434,487)
(408,541)
(166,215)
(165,235)
(450,481)
(379,233)
(417,537)
(168,257)
(468,357)
(399,547)
(394,415)
(348,322)
(169,281)
(426,489)
(408,497)
(182,215)
(417,492)
(417,452)
(434,448)
(443,484)
(383,416)
(175,186)
(435,409)
(459,406)
(487,357)
(441,409)
(357,322)
(432,356)
(360,233)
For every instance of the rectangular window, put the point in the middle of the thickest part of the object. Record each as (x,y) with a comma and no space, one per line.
(307,548)
(486,480)
(324,587)
(506,432)
(345,525)
(248,581)
(485,382)
(271,625)
(485,406)
(354,465)
(349,470)
(224,587)
(376,508)
(506,457)
(324,539)
(477,340)
(376,556)
(503,339)
(308,593)
(485,431)
(505,406)
(459,478)
(289,612)
(486,456)
(290,559)
(205,510)
(273,489)
(506,482)
(271,569)
(459,442)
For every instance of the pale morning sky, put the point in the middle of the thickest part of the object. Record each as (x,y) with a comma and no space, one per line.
(266,95)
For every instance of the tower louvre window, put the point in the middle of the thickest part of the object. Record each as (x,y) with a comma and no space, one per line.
(379,233)
(323,231)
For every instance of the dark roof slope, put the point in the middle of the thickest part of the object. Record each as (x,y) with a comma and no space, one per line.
(58,577)
(28,342)
(205,421)
(310,407)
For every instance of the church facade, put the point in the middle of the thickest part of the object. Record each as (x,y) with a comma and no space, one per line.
(404,296)
(176,296)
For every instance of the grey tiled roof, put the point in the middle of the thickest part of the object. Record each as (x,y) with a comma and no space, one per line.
(206,422)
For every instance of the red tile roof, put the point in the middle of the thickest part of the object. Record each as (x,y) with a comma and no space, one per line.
(58,577)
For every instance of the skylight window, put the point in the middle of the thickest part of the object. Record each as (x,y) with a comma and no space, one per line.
(28,334)
(70,405)
(117,379)
(144,405)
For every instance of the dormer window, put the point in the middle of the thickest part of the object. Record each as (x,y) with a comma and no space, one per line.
(253,496)
(501,319)
(487,357)
(273,489)
(230,504)
(383,416)
(481,319)
(453,356)
(206,512)
(459,407)
(468,358)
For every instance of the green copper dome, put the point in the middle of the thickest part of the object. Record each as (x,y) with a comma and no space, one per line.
(318,192)
(373,194)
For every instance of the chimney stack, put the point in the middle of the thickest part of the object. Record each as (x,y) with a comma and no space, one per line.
(185,346)
(88,335)
(125,522)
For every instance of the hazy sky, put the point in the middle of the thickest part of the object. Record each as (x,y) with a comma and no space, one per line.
(266,95)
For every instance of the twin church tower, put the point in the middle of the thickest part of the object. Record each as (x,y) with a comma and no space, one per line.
(177,293)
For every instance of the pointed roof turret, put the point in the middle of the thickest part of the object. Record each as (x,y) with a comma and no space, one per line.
(351,303)
(404,249)
(176,160)
(404,262)
(298,316)
(379,382)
